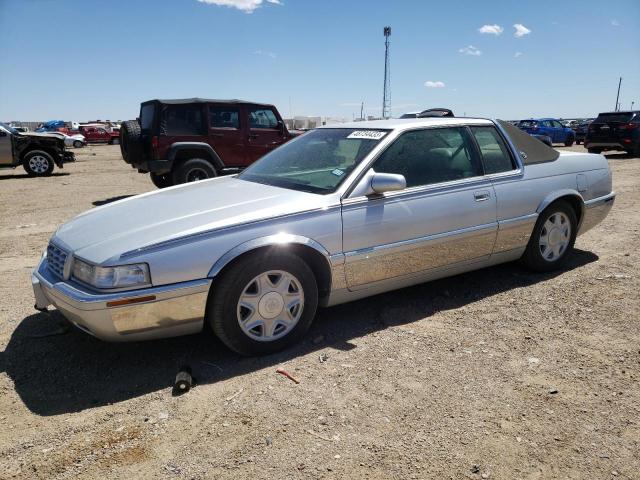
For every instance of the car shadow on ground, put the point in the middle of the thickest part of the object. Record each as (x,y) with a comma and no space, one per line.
(24,175)
(58,370)
(620,156)
(98,203)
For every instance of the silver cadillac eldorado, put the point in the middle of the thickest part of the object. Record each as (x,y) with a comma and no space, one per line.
(337,214)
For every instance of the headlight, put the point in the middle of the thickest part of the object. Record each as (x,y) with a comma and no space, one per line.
(111,277)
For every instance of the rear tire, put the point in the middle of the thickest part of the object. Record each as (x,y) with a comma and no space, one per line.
(161,181)
(38,163)
(594,150)
(130,140)
(264,281)
(553,237)
(193,170)
(569,141)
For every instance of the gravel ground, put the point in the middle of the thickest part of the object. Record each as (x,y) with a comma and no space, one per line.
(498,373)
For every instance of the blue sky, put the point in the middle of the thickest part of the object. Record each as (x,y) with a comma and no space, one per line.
(85,60)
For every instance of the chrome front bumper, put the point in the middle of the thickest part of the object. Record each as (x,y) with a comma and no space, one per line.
(156,312)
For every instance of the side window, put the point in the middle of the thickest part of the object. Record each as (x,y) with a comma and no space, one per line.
(430,156)
(262,118)
(183,120)
(557,124)
(224,117)
(495,154)
(547,124)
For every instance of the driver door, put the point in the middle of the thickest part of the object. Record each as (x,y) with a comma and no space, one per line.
(446,215)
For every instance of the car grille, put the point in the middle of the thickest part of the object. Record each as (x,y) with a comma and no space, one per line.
(56,258)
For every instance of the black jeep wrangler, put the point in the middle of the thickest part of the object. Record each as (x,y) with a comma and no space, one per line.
(179,141)
(36,152)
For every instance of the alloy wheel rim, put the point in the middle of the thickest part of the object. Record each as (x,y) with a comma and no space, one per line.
(270,305)
(39,164)
(196,174)
(555,237)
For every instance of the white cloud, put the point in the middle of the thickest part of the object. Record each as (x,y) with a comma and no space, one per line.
(521,30)
(470,50)
(615,23)
(268,54)
(517,54)
(247,6)
(432,84)
(491,29)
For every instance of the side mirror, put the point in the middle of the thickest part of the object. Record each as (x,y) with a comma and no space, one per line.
(281,128)
(387,182)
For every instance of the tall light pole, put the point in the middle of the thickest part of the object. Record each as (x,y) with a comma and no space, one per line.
(386,92)
(618,96)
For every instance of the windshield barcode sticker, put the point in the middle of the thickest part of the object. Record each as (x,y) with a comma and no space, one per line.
(367,134)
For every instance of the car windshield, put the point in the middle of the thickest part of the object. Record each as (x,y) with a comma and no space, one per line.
(316,162)
(9,129)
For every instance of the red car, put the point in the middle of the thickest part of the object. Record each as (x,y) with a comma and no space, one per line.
(99,134)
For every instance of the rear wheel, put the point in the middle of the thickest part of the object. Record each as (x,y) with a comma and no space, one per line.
(551,243)
(569,141)
(193,170)
(265,302)
(594,150)
(161,181)
(38,163)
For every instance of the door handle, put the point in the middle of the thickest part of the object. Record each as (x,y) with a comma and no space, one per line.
(253,136)
(481,196)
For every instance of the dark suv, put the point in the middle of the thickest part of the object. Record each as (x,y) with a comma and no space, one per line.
(614,131)
(179,141)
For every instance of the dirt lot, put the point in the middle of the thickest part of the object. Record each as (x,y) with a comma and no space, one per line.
(495,374)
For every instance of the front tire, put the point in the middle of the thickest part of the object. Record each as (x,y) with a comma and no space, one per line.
(594,150)
(161,181)
(264,303)
(193,170)
(553,237)
(78,144)
(38,163)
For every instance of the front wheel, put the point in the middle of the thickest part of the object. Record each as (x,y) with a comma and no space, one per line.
(594,150)
(38,163)
(265,302)
(78,144)
(554,234)
(193,170)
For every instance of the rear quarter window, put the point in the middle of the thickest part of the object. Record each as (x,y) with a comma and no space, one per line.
(183,120)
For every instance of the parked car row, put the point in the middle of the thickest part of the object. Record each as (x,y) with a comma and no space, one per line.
(614,131)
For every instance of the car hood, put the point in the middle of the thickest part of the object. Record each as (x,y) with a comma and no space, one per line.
(103,234)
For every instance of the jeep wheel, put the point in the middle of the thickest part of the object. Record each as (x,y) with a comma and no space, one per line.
(193,170)
(161,181)
(131,141)
(38,163)
(594,150)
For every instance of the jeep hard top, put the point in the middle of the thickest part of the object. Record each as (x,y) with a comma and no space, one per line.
(179,141)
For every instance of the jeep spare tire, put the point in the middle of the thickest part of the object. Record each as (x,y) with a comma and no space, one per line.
(131,141)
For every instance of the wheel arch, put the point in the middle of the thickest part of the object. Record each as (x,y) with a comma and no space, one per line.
(314,254)
(180,151)
(571,196)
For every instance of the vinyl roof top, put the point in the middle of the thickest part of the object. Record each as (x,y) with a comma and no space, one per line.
(406,123)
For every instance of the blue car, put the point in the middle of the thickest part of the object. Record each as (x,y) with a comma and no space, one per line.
(550,127)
